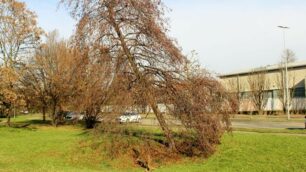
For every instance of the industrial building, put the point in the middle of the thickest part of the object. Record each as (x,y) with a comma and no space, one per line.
(268,84)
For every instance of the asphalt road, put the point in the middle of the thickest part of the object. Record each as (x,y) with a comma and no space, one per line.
(268,124)
(243,124)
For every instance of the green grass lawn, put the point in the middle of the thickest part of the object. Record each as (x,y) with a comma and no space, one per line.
(253,152)
(44,148)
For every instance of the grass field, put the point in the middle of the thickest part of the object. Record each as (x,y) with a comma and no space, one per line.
(44,148)
(253,152)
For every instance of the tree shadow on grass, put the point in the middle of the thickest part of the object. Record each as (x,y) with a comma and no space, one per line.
(24,126)
(34,122)
(84,133)
(29,124)
(296,129)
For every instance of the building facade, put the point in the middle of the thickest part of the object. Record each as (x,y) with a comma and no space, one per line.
(264,88)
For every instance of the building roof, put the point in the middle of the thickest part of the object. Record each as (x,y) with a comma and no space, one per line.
(264,68)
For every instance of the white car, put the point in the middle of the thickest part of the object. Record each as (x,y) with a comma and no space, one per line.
(129,117)
(74,116)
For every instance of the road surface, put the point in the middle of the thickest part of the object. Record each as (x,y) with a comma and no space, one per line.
(243,123)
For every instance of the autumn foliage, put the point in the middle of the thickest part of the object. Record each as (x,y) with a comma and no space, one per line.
(120,57)
(19,35)
(133,34)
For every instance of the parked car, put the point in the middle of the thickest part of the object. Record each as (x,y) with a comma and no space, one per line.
(24,112)
(73,116)
(129,117)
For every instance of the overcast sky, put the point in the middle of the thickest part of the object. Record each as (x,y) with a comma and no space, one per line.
(228,35)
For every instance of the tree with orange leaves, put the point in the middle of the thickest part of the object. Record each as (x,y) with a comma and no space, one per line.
(19,35)
(51,74)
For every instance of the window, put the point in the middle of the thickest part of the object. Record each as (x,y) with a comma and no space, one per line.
(268,94)
(276,93)
(299,92)
(245,95)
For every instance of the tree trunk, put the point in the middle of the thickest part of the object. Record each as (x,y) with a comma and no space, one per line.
(44,113)
(54,121)
(9,118)
(143,81)
(164,127)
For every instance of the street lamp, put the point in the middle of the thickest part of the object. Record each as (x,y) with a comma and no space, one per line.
(284,28)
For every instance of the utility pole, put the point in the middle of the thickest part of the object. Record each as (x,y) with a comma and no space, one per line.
(284,28)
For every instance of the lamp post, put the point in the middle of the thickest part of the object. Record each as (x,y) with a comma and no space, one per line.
(284,28)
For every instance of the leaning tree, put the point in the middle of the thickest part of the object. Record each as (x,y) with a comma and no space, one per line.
(133,34)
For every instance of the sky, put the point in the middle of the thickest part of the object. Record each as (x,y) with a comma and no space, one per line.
(227,35)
